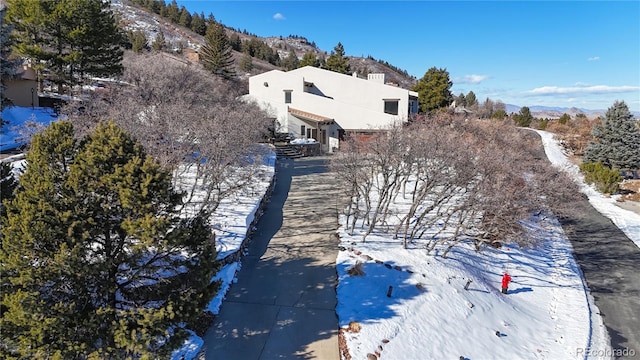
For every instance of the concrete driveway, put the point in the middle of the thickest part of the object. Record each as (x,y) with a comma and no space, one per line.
(283,305)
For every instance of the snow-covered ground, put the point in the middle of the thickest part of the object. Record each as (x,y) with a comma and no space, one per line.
(21,123)
(231,221)
(548,314)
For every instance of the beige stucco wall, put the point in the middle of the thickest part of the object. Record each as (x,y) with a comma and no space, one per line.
(19,91)
(354,103)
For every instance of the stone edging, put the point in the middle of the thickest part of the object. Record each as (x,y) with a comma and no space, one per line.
(237,255)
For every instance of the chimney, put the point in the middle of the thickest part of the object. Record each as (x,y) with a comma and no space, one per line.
(378,78)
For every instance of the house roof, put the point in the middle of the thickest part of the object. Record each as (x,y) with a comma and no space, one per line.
(309,116)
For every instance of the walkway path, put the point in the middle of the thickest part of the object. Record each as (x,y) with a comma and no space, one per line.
(283,305)
(610,262)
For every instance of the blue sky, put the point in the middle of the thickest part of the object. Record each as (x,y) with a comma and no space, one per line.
(576,53)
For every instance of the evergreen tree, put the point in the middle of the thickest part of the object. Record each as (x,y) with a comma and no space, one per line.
(616,143)
(100,45)
(524,117)
(73,37)
(291,61)
(198,25)
(246,63)
(185,17)
(173,13)
(471,100)
(309,59)
(8,184)
(97,263)
(235,42)
(159,43)
(8,66)
(564,119)
(138,40)
(434,90)
(337,61)
(215,54)
(461,100)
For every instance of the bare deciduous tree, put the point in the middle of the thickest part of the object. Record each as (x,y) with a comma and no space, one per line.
(460,180)
(188,120)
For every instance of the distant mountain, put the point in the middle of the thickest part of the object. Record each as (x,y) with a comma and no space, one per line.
(555,112)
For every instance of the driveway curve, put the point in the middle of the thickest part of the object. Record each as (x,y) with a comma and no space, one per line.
(283,304)
(609,261)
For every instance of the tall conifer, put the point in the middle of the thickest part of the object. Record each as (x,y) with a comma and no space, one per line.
(216,53)
(96,262)
(616,143)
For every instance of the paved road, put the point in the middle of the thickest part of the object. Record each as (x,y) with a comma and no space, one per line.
(283,305)
(610,262)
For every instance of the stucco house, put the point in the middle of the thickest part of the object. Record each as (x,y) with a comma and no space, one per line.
(324,105)
(22,88)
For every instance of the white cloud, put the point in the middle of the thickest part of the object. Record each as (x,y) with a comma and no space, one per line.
(594,58)
(593,89)
(471,79)
(279,16)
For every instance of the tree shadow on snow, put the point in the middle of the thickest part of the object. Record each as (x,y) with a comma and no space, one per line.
(365,296)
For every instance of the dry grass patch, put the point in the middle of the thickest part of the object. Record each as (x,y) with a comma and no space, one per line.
(354,327)
(632,188)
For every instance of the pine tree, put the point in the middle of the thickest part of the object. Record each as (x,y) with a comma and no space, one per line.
(159,43)
(73,37)
(524,117)
(337,61)
(291,61)
(215,54)
(7,66)
(616,143)
(101,43)
(471,100)
(198,25)
(185,17)
(309,59)
(246,63)
(138,40)
(434,90)
(8,185)
(96,261)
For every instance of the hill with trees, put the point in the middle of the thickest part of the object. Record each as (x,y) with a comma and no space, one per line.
(251,54)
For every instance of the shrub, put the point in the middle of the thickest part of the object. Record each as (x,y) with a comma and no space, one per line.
(605,179)
(543,124)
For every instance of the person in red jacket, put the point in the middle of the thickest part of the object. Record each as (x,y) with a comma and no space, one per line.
(505,282)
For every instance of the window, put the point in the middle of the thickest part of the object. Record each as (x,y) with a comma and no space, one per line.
(301,130)
(287,96)
(391,107)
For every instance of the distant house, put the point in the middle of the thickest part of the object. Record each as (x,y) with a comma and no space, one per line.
(22,88)
(324,105)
